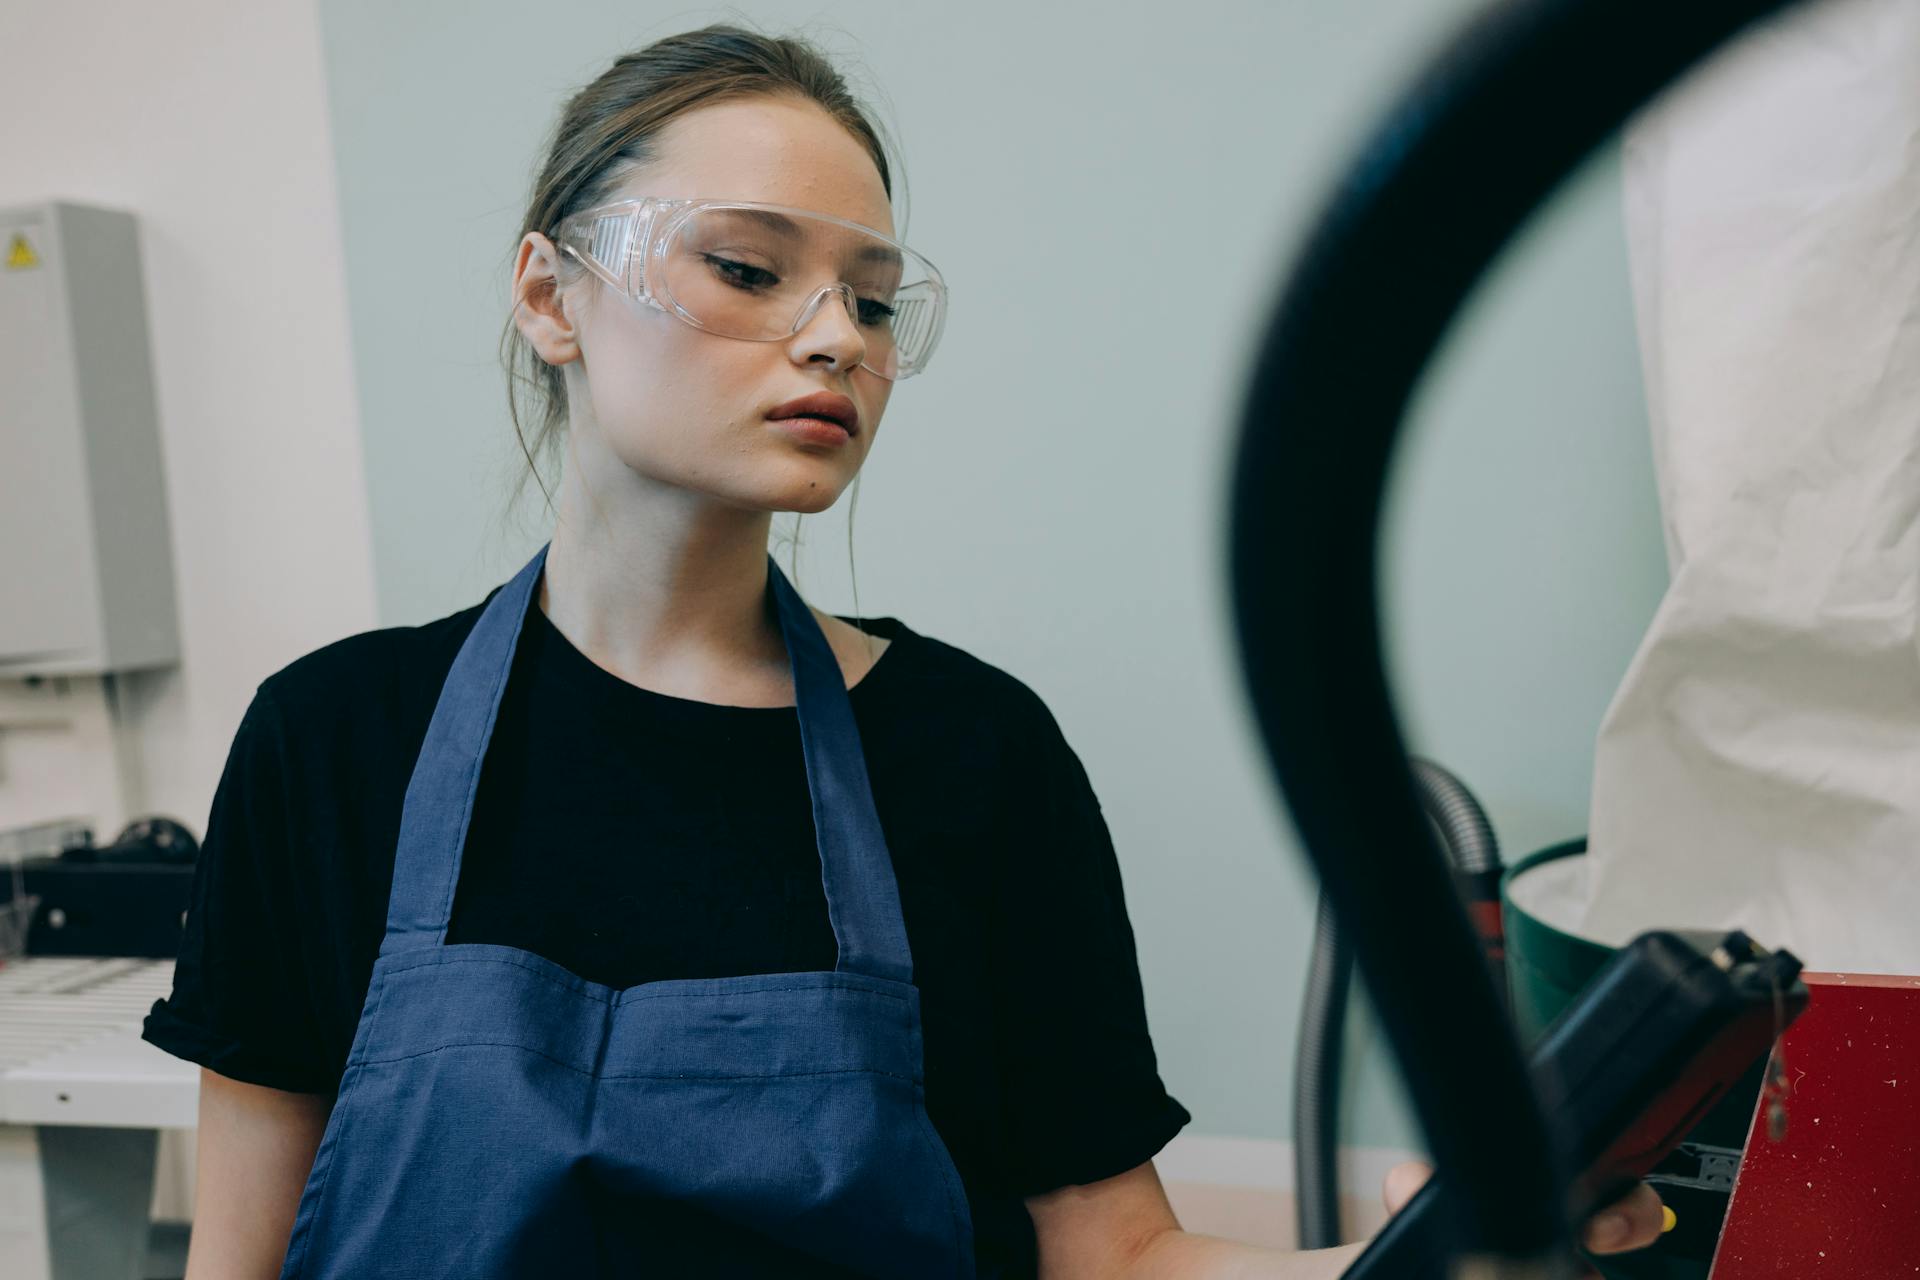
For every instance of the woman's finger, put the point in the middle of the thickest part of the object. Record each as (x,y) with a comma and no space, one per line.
(1634,1221)
(1402,1181)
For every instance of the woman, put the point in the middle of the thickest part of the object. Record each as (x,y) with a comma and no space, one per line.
(569,934)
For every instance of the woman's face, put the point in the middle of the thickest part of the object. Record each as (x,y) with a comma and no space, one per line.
(690,408)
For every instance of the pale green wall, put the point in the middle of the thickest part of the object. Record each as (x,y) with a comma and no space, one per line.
(1110,190)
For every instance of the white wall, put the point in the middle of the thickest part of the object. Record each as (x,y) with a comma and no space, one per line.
(208,121)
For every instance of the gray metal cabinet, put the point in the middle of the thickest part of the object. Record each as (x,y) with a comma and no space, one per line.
(86,570)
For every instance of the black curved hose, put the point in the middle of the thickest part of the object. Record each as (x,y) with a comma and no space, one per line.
(1316,1085)
(1474,854)
(1505,112)
(1468,836)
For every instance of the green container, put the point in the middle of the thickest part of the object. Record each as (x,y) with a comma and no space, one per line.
(1546,968)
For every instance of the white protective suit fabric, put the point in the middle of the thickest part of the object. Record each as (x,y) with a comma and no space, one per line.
(1760,765)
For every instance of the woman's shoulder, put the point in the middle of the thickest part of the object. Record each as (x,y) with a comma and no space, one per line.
(926,666)
(384,672)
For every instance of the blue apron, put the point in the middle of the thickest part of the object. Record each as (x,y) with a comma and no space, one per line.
(500,1116)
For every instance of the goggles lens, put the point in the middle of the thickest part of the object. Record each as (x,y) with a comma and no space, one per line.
(761,272)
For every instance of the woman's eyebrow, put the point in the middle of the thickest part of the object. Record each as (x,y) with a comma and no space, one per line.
(767,218)
(881,253)
(784,226)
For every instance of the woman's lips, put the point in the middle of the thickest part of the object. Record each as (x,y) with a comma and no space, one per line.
(813,430)
(830,405)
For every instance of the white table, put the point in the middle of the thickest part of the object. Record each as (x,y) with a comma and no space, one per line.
(82,1099)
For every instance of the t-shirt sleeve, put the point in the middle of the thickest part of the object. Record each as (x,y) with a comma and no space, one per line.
(1080,1083)
(239,1004)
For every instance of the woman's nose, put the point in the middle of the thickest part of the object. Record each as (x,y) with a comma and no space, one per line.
(837,335)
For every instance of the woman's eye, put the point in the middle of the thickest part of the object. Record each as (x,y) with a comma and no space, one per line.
(743,274)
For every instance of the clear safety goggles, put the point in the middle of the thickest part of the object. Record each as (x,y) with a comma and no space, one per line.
(744,269)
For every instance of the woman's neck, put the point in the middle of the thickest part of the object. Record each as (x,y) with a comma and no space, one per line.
(666,590)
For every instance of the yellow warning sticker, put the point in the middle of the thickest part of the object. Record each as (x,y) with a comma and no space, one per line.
(20,254)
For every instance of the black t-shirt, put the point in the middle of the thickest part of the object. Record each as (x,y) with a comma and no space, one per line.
(633,836)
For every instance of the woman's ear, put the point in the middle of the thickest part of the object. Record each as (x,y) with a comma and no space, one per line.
(539,312)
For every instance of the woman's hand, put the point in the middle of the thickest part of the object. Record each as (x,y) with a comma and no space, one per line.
(1634,1221)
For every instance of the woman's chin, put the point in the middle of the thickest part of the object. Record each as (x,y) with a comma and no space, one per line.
(810,501)
(808,488)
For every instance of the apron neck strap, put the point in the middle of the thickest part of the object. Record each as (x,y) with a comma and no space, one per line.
(863,900)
